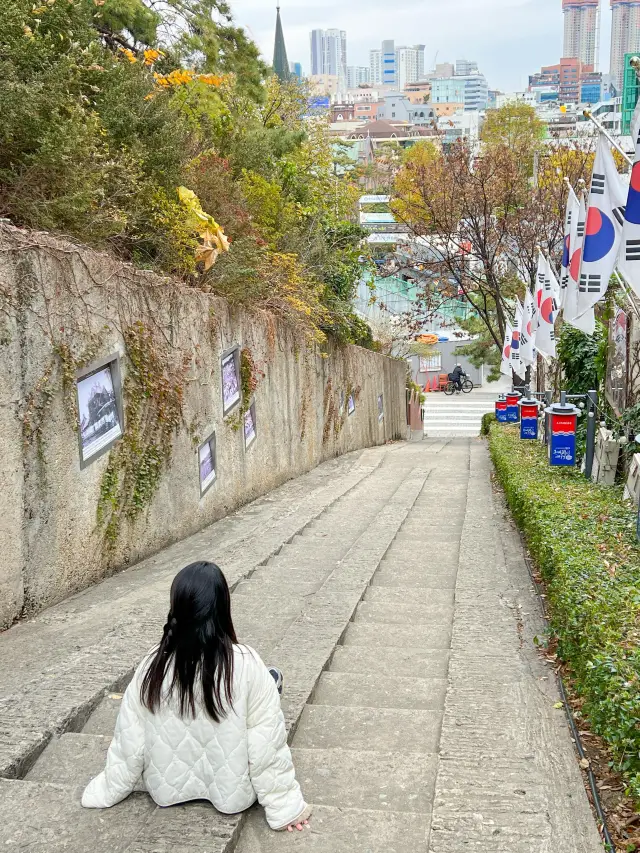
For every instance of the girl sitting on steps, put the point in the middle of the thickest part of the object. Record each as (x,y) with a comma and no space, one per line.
(201,719)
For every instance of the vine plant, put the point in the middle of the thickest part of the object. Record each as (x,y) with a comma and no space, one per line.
(250,377)
(154,397)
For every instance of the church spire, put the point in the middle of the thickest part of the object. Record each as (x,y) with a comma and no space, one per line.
(280,62)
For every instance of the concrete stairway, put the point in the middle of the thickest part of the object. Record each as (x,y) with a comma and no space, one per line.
(456,416)
(421,717)
(293,610)
(366,745)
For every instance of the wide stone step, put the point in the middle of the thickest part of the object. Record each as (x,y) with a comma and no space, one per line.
(38,817)
(271,587)
(451,433)
(103,719)
(373,690)
(413,553)
(341,830)
(71,759)
(283,574)
(386,781)
(407,613)
(380,729)
(374,636)
(408,662)
(400,595)
(417,578)
(424,543)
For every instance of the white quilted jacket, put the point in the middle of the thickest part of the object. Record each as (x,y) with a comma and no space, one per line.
(229,763)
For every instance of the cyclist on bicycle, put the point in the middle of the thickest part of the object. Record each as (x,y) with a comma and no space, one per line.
(456,377)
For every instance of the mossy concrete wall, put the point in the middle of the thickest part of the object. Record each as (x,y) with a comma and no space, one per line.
(56,294)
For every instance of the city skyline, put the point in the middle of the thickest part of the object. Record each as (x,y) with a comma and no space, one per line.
(462,28)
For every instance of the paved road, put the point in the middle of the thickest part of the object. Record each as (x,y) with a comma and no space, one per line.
(392,591)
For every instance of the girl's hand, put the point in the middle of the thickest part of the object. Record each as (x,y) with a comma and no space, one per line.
(299,826)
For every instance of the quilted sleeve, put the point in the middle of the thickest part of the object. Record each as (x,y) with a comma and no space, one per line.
(125,758)
(270,762)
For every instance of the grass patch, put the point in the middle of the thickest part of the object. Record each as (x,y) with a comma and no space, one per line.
(582,538)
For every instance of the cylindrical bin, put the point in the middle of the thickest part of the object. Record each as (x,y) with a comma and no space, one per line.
(562,433)
(528,418)
(513,412)
(501,409)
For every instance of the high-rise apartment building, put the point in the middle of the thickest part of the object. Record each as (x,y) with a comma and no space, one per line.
(389,70)
(396,66)
(465,67)
(329,53)
(375,67)
(357,75)
(625,36)
(409,65)
(582,30)
(317,52)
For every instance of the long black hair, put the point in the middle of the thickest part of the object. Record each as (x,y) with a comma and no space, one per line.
(198,639)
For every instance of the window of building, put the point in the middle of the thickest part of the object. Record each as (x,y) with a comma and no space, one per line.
(393,115)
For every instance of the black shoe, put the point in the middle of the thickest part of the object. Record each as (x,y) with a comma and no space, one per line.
(277,677)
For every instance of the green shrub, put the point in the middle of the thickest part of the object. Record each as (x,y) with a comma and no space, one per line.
(582,538)
(487,420)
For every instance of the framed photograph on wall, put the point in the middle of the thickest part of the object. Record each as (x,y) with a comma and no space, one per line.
(351,404)
(250,432)
(100,410)
(207,463)
(230,368)
(380,407)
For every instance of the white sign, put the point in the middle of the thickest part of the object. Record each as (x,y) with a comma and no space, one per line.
(388,238)
(381,218)
(375,199)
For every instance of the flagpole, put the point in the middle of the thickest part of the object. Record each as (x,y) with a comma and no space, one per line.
(588,114)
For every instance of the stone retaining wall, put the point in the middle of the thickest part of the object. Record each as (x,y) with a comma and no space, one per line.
(54,295)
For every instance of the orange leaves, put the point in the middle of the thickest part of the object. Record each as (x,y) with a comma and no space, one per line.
(183,77)
(129,54)
(152,56)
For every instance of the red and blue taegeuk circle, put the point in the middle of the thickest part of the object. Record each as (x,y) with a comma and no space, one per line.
(632,213)
(574,266)
(507,351)
(565,252)
(599,236)
(515,340)
(529,328)
(546,310)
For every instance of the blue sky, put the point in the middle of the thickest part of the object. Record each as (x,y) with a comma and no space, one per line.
(509,38)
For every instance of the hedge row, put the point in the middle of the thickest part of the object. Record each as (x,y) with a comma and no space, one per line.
(582,538)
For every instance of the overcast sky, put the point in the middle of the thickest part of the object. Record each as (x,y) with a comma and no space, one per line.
(510,39)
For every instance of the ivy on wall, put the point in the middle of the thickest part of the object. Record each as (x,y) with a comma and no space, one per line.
(154,398)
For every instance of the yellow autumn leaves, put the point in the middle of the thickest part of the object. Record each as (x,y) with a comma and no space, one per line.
(214,240)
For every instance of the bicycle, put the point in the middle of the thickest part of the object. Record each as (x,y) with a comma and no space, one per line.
(467,387)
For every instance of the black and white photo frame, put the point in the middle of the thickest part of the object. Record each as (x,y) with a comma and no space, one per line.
(207,464)
(249,427)
(230,372)
(100,408)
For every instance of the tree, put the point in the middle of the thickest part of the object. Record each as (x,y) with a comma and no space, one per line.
(515,125)
(483,216)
